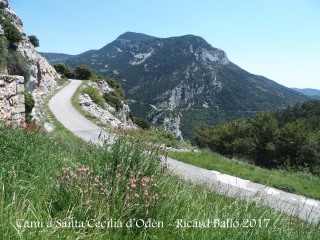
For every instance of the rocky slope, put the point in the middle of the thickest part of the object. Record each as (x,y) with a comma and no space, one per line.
(180,81)
(108,115)
(40,76)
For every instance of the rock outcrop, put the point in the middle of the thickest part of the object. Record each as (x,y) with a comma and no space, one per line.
(109,116)
(41,77)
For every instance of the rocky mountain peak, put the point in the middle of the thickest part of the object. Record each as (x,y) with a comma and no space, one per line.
(132,36)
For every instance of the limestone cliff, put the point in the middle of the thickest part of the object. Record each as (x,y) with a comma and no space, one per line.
(40,77)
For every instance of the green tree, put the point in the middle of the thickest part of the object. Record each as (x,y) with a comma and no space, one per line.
(29,104)
(203,135)
(64,70)
(34,40)
(264,131)
(292,144)
(84,72)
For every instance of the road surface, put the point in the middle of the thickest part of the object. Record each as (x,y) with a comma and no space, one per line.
(292,204)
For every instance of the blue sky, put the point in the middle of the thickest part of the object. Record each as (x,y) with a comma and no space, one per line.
(279,39)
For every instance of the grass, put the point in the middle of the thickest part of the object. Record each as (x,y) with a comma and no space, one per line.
(159,136)
(301,183)
(48,183)
(94,95)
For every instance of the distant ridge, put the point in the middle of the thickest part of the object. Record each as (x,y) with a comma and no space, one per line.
(54,58)
(314,93)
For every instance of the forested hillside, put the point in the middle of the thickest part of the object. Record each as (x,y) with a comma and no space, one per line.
(288,138)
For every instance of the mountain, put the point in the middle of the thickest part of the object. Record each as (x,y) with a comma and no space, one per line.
(178,82)
(55,58)
(314,93)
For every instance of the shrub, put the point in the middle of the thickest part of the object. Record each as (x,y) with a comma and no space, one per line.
(29,104)
(34,40)
(11,33)
(64,70)
(84,72)
(17,65)
(94,95)
(141,122)
(113,99)
(3,53)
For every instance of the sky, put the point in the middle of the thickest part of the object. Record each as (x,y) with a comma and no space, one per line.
(279,39)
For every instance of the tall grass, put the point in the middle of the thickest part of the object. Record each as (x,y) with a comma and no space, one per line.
(57,189)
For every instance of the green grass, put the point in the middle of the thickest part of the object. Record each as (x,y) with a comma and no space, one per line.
(94,95)
(159,136)
(45,178)
(301,183)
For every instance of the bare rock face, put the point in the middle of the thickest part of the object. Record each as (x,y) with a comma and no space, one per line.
(42,74)
(42,78)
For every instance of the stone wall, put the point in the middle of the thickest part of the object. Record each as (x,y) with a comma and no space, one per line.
(12,106)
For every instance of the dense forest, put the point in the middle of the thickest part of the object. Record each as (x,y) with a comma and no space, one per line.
(289,138)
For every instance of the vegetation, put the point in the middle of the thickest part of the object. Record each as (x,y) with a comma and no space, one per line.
(10,59)
(29,104)
(94,95)
(64,71)
(157,135)
(11,33)
(17,65)
(83,72)
(141,122)
(301,182)
(290,138)
(3,52)
(50,181)
(114,99)
(34,40)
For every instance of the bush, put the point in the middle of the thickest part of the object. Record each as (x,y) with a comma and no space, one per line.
(11,33)
(3,53)
(113,99)
(64,70)
(34,40)
(29,104)
(141,122)
(17,65)
(84,72)
(94,95)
